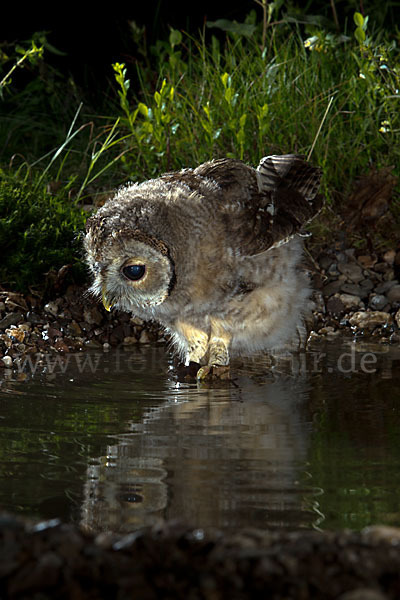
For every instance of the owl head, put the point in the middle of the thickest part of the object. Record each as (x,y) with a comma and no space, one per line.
(132,269)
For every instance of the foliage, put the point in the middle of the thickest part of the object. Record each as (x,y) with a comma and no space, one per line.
(288,83)
(39,231)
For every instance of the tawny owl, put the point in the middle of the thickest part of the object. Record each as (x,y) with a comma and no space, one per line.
(213,254)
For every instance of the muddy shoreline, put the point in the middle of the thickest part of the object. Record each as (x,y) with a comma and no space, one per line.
(354,294)
(56,560)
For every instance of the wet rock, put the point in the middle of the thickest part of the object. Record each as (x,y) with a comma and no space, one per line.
(7,361)
(370,320)
(377,301)
(394,338)
(129,340)
(15,334)
(144,338)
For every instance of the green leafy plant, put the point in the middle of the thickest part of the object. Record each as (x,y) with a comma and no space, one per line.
(39,231)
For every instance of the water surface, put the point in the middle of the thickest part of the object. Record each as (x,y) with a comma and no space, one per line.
(115,441)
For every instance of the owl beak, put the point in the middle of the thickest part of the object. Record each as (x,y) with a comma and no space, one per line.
(108,304)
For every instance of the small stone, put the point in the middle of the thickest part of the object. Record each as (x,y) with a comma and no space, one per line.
(381,267)
(74,329)
(136,321)
(61,346)
(333,270)
(353,289)
(129,340)
(377,301)
(52,308)
(394,338)
(93,316)
(335,306)
(11,319)
(106,347)
(397,318)
(366,261)
(350,301)
(34,318)
(393,294)
(7,361)
(370,320)
(2,306)
(15,334)
(366,284)
(326,330)
(331,288)
(352,271)
(325,261)
(144,337)
(382,288)
(389,256)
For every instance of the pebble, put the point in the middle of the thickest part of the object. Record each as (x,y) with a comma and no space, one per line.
(382,288)
(11,319)
(144,337)
(332,288)
(52,308)
(397,318)
(367,261)
(352,271)
(389,256)
(349,301)
(393,294)
(370,320)
(7,361)
(129,340)
(377,301)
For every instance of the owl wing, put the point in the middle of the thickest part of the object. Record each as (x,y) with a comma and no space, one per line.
(265,207)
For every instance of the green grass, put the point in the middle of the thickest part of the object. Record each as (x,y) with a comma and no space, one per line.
(331,97)
(39,233)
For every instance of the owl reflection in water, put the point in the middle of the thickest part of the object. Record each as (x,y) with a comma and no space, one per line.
(212,253)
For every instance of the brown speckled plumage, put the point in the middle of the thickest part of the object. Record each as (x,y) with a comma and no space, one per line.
(219,252)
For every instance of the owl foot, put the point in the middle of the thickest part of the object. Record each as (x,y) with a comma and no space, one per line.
(215,372)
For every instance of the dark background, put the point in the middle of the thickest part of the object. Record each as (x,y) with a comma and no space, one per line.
(93,40)
(93,37)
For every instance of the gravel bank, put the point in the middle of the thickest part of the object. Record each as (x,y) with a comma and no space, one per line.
(355,293)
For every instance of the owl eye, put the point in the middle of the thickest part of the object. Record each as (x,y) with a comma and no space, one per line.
(134,272)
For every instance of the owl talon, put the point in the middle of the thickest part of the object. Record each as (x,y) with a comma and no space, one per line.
(215,372)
